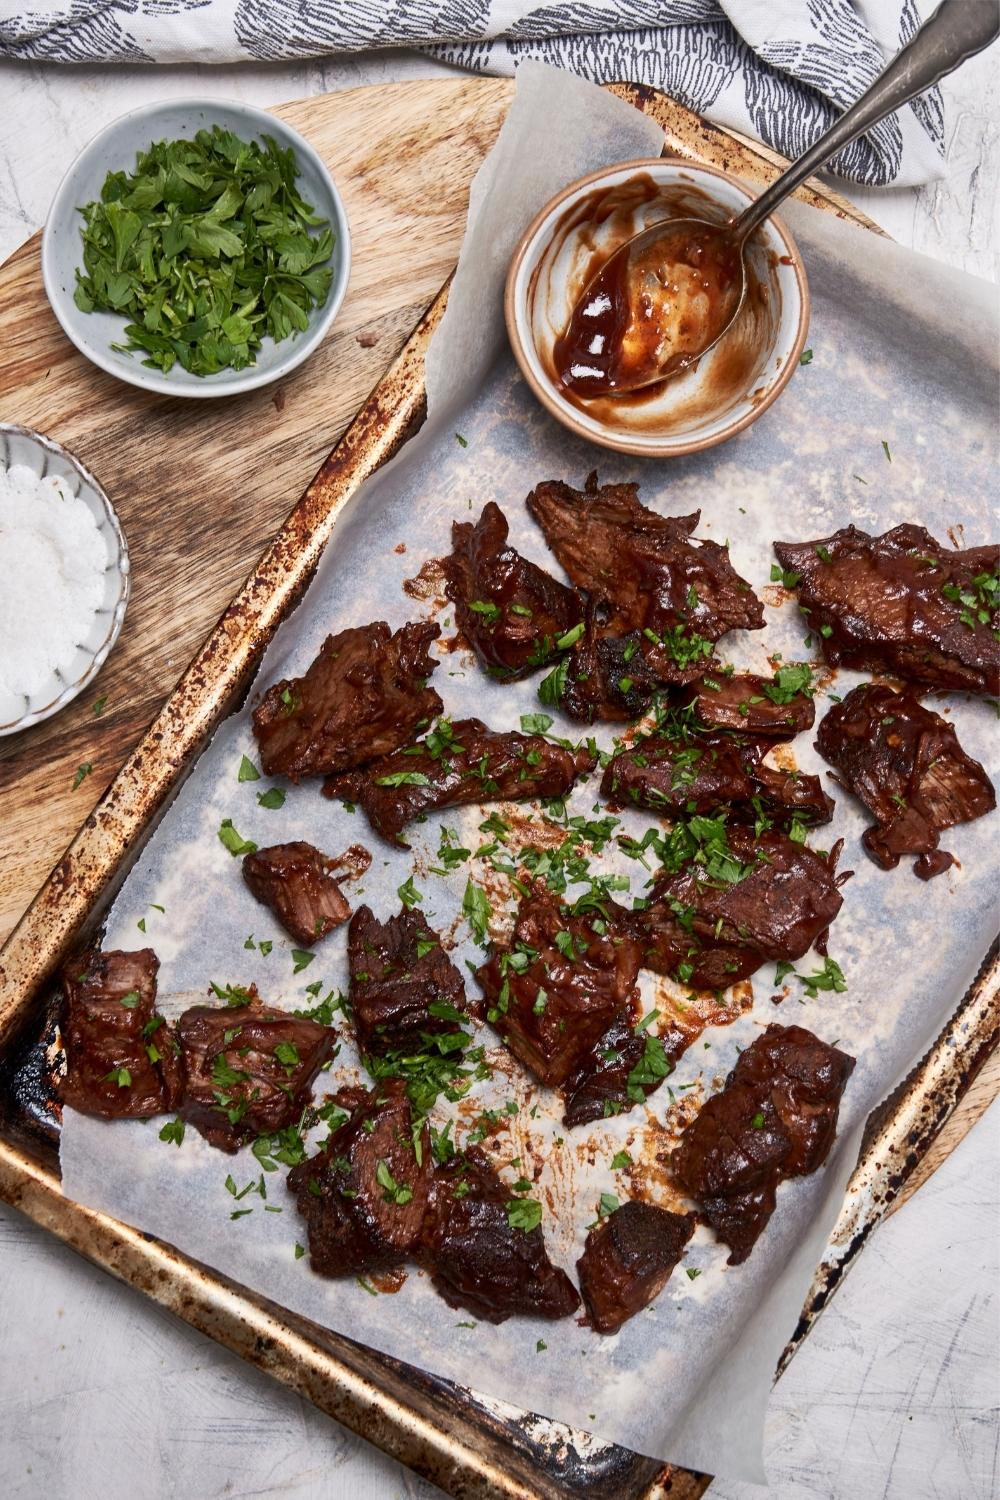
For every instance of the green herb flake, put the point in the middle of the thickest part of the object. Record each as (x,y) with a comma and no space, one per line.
(620,1160)
(233,841)
(408,894)
(463,442)
(830,977)
(100,704)
(273,798)
(82,771)
(805,358)
(477,911)
(301,959)
(172,1132)
(247,771)
(524,1213)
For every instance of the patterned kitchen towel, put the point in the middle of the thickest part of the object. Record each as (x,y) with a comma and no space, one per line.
(777,69)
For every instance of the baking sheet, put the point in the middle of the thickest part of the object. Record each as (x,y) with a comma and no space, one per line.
(903,352)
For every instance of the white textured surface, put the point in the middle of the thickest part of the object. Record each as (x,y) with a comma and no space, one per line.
(895,1393)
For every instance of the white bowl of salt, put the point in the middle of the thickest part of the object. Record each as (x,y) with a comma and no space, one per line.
(64,577)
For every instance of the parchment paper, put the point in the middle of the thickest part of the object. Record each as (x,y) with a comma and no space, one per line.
(903,351)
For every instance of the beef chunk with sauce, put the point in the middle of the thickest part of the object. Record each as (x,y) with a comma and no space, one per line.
(479,1255)
(301,887)
(682,768)
(564,978)
(904,763)
(771,708)
(648,568)
(902,603)
(398,972)
(365,1195)
(121,1058)
(775,1118)
(604,677)
(365,695)
(753,899)
(511,611)
(249,1069)
(628,1259)
(625,1065)
(460,762)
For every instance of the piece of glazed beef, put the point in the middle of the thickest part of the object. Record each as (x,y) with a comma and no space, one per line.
(677,770)
(560,983)
(648,568)
(511,611)
(478,1258)
(904,763)
(398,972)
(775,1118)
(902,603)
(712,932)
(249,1069)
(301,887)
(456,763)
(768,707)
(365,1195)
(628,1259)
(625,1065)
(707,772)
(365,694)
(122,1062)
(606,678)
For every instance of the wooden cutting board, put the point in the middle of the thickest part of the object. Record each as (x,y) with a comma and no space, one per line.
(201,487)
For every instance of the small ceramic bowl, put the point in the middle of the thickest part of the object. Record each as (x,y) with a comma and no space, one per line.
(727,389)
(20,447)
(115,149)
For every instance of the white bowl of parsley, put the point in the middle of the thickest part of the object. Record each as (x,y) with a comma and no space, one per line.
(197,248)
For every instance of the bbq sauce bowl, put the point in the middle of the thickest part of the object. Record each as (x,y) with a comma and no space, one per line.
(717,396)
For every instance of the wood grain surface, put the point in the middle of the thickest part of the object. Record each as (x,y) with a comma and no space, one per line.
(201,487)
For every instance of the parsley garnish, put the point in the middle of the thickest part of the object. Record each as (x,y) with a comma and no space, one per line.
(82,771)
(247,771)
(233,840)
(273,798)
(830,977)
(403,778)
(477,911)
(524,1213)
(408,894)
(206,249)
(789,682)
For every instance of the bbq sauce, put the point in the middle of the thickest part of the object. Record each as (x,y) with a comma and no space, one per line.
(651,310)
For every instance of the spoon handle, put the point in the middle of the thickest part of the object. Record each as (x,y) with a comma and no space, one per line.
(958,29)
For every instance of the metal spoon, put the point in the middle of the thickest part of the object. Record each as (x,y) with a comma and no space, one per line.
(957,30)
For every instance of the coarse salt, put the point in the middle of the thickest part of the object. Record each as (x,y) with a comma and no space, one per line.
(53,559)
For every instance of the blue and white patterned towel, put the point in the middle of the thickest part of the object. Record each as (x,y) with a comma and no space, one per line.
(777,69)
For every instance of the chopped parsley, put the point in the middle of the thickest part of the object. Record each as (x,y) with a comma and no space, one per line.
(273,798)
(408,894)
(247,771)
(234,841)
(524,1213)
(172,1132)
(403,778)
(789,682)
(477,911)
(830,977)
(82,771)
